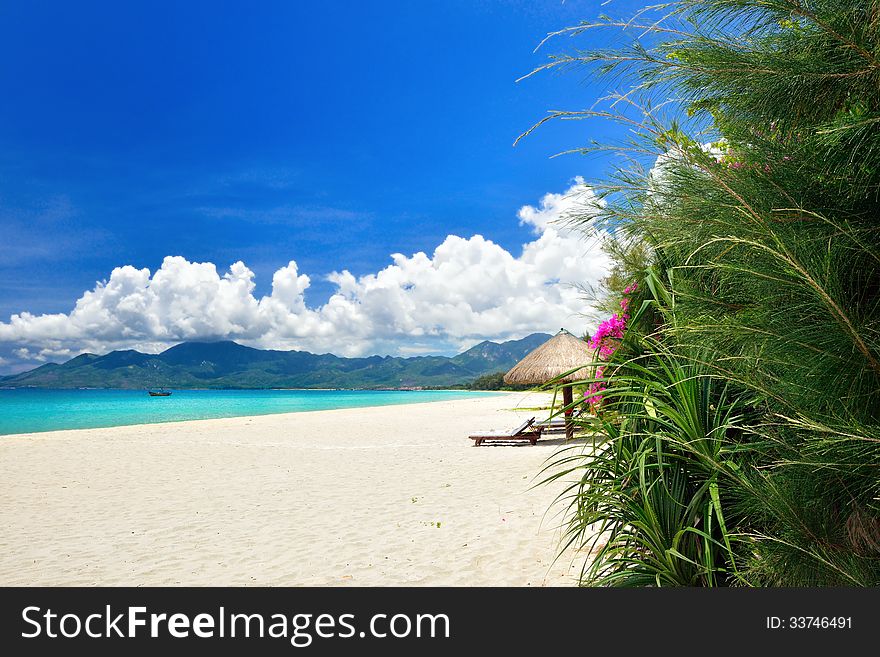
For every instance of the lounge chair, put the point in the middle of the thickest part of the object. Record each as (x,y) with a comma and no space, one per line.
(557,423)
(525,431)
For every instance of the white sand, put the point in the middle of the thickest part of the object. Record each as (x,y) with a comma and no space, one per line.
(393,495)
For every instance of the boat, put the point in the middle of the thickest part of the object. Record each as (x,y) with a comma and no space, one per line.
(158,389)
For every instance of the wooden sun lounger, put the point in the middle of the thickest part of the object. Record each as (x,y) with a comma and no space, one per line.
(525,431)
(557,423)
(552,426)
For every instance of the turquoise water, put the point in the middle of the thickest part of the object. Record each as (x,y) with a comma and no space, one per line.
(30,410)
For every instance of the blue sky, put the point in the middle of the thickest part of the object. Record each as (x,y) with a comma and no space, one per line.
(332,134)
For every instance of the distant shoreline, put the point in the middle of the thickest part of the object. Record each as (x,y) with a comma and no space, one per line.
(141,389)
(227,364)
(34,411)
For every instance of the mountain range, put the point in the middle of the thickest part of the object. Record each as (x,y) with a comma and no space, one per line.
(231,365)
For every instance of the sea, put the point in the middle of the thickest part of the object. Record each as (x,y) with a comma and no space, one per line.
(27,410)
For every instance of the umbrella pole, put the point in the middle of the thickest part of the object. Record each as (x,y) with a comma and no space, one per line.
(566,401)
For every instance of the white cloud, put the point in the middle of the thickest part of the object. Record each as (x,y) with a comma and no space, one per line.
(467,290)
(558,210)
(664,165)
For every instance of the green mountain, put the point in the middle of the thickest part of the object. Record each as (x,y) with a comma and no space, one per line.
(231,365)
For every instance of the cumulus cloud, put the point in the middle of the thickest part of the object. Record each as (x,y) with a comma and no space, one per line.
(466,290)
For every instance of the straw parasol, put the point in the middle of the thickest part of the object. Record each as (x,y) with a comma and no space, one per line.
(561,354)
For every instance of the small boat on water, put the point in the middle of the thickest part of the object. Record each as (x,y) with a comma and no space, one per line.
(159,393)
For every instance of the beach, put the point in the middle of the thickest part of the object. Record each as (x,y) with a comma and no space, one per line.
(377,496)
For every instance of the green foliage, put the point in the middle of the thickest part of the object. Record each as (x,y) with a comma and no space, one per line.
(630,260)
(494,381)
(646,499)
(756,190)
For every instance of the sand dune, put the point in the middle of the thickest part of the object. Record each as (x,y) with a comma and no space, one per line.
(392,495)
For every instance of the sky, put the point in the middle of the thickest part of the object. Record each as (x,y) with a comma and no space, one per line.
(332,176)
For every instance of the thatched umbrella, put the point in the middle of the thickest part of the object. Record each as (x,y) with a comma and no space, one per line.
(561,354)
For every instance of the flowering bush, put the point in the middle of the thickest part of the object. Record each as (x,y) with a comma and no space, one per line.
(605,341)
(593,395)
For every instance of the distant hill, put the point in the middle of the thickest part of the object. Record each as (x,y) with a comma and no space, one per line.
(231,365)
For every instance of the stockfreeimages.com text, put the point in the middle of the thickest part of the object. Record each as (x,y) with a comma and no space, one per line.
(299,629)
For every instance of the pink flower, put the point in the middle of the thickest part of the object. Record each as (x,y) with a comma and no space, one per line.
(605,341)
(595,389)
(613,327)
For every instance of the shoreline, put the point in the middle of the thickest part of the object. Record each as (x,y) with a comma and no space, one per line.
(369,496)
(142,389)
(479,393)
